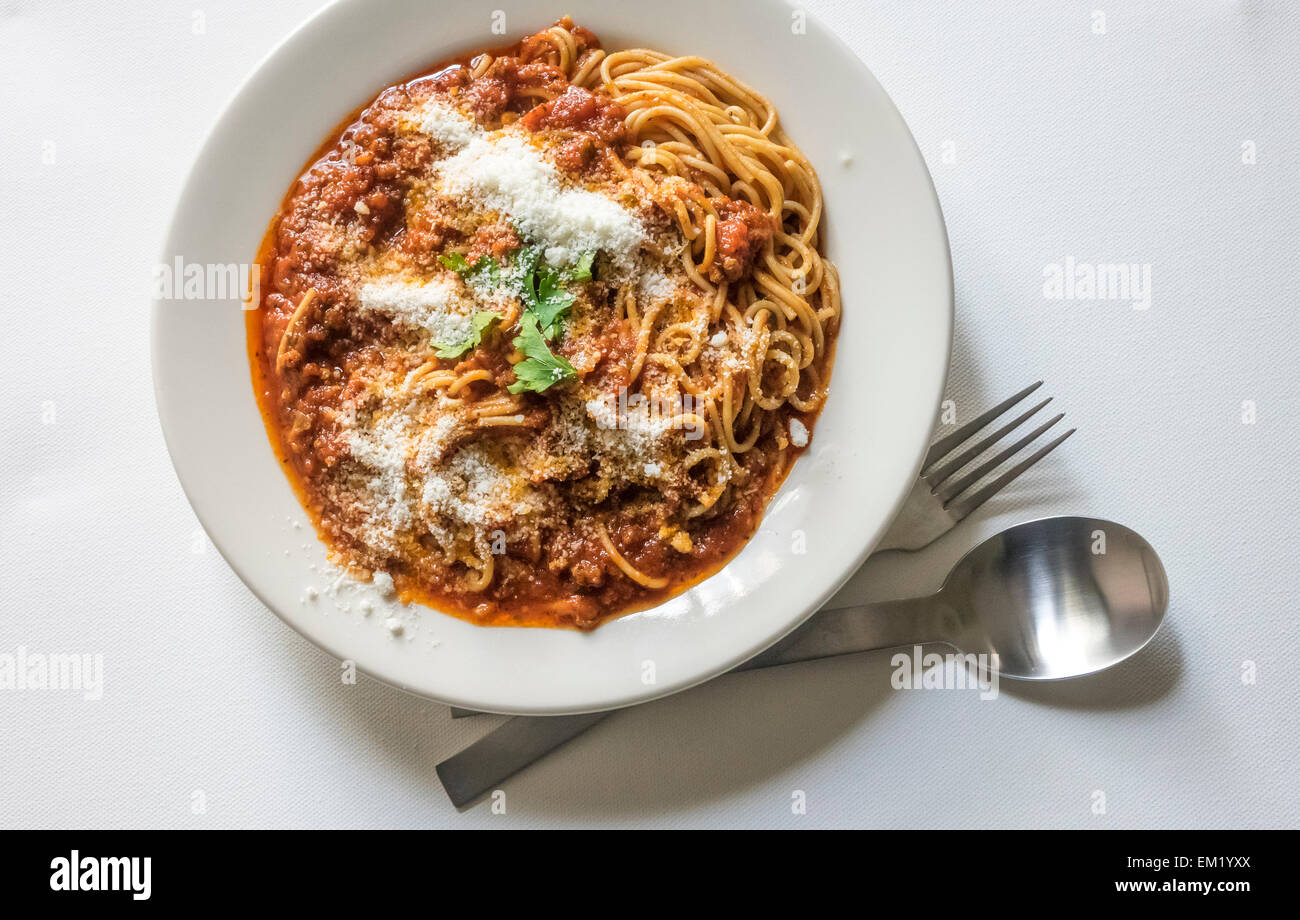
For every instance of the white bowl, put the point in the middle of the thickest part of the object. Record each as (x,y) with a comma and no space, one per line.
(886,235)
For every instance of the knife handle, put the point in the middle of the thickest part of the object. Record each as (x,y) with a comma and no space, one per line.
(505,751)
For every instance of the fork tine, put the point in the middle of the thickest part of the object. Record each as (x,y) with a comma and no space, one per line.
(945,444)
(965,506)
(963,483)
(942,474)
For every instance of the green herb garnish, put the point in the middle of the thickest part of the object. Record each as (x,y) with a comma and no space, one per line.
(550,302)
(485,267)
(542,287)
(582,270)
(456,262)
(541,369)
(546,302)
(525,263)
(478,325)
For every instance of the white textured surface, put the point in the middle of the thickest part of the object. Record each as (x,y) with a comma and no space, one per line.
(1046,140)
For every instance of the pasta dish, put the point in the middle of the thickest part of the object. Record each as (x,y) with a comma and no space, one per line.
(542,331)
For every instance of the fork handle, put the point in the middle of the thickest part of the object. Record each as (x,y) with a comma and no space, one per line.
(918,523)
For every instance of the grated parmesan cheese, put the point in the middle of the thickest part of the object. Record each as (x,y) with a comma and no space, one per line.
(655,287)
(381,449)
(475,488)
(435,306)
(798,433)
(444,124)
(433,442)
(634,420)
(628,440)
(503,172)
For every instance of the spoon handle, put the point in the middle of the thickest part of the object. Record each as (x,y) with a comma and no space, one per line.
(862,628)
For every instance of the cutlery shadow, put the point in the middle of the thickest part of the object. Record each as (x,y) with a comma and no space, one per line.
(706,745)
(689,749)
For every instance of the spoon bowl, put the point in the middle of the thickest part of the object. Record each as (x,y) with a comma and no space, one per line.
(1055,598)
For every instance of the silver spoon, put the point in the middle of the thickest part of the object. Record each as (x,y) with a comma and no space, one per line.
(1054,598)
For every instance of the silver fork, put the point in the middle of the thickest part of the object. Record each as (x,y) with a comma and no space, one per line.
(937,503)
(941,499)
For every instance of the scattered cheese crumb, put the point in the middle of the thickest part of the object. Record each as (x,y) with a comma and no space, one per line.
(383,583)
(394,626)
(798,433)
(719,339)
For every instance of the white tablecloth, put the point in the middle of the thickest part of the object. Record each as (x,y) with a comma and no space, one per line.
(1167,135)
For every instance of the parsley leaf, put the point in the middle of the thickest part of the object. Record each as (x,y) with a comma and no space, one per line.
(523,272)
(540,370)
(455,261)
(485,267)
(551,302)
(478,325)
(581,271)
(542,287)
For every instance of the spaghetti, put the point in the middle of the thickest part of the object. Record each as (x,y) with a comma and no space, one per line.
(545,329)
